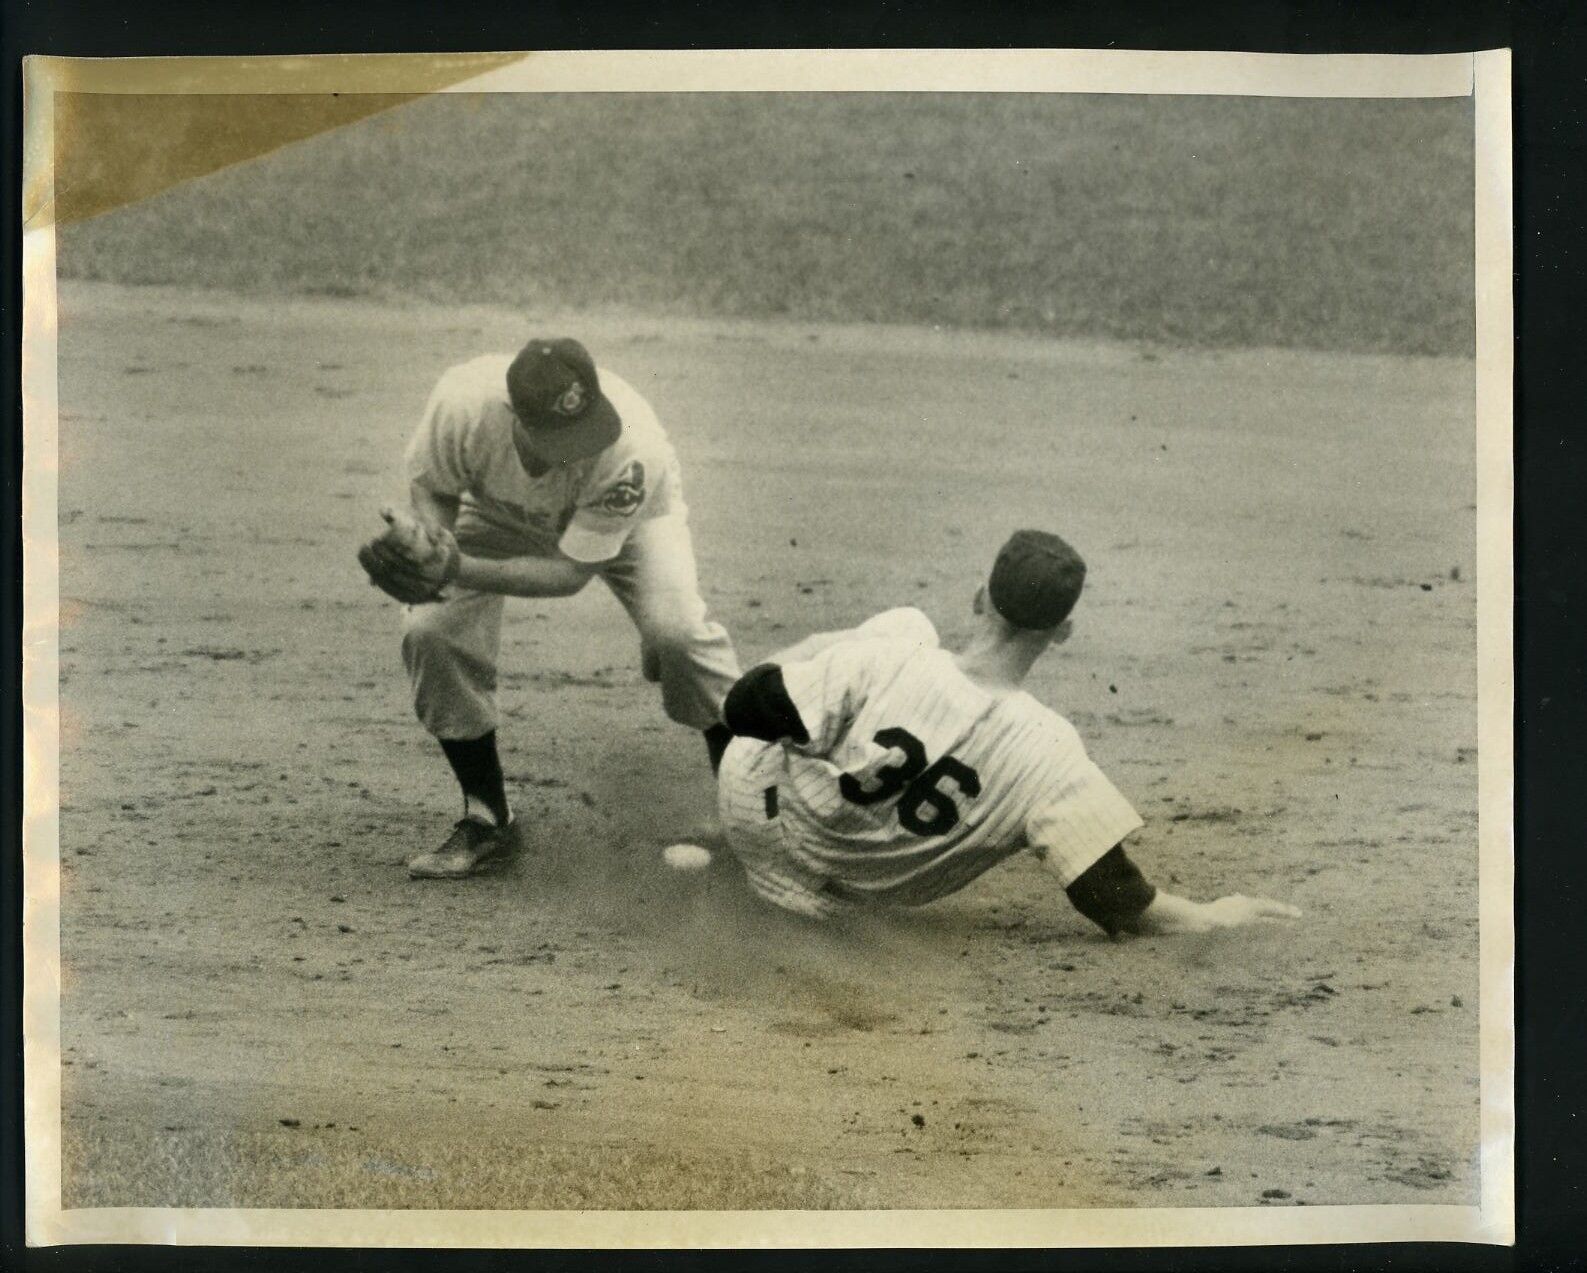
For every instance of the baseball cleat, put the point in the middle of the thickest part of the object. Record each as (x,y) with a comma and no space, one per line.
(472,846)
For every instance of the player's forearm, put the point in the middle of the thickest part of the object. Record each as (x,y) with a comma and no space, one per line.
(1171,914)
(1112,893)
(524,576)
(1167,913)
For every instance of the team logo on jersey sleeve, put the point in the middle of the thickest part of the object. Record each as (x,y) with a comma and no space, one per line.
(627,493)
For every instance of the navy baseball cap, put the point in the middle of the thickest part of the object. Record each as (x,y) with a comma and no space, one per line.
(1036,580)
(557,397)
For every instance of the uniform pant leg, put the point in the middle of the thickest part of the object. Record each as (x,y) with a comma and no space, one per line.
(757,837)
(450,648)
(655,579)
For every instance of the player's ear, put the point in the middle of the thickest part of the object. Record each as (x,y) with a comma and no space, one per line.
(1062,632)
(978,605)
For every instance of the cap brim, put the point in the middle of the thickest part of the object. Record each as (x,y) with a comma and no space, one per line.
(579,439)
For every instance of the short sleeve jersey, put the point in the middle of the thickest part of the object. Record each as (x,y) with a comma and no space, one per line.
(463,448)
(915,779)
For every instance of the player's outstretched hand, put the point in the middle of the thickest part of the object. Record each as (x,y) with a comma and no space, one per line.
(1237,910)
(1170,914)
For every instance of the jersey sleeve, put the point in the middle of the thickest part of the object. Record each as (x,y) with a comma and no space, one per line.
(606,514)
(437,454)
(1078,815)
(758,706)
(829,689)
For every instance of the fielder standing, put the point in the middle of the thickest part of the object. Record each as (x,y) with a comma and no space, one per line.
(872,767)
(528,476)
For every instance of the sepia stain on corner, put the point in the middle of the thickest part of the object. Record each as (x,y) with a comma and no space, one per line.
(102,133)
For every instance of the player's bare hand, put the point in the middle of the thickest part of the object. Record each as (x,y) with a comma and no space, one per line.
(1170,914)
(1237,910)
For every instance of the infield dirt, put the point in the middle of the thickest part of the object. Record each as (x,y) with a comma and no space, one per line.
(1274,659)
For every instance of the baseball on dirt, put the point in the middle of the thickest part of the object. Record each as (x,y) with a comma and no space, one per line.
(686,857)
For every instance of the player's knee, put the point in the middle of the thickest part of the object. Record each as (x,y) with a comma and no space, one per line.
(666,637)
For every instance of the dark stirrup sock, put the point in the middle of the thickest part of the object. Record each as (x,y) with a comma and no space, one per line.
(478,770)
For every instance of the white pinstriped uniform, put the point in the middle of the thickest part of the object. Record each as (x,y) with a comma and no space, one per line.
(809,847)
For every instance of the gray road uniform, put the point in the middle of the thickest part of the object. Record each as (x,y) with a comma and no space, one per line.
(621,510)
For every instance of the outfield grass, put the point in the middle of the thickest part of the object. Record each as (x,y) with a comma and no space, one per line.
(1200,221)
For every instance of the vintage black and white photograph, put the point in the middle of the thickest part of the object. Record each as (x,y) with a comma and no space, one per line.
(755,651)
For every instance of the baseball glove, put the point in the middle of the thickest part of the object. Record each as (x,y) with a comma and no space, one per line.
(410,561)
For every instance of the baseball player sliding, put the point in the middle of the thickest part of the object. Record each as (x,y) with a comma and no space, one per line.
(528,476)
(873,767)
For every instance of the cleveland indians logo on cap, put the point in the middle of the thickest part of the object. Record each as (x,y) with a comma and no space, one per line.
(572,401)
